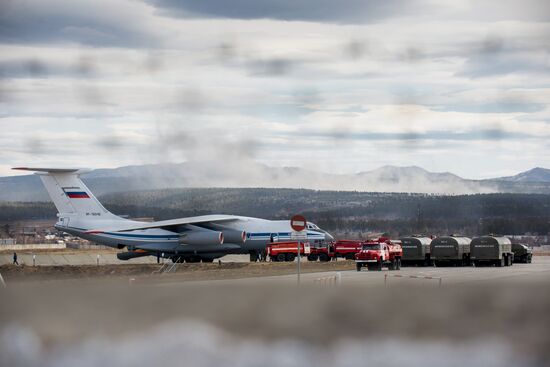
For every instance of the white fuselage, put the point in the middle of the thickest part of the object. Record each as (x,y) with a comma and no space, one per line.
(259,232)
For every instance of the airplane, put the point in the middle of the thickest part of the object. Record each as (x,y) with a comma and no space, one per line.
(192,239)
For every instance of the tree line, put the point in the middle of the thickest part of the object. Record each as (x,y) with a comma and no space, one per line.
(351,211)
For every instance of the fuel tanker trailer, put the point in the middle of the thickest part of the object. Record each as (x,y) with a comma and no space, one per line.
(416,250)
(492,250)
(522,253)
(451,250)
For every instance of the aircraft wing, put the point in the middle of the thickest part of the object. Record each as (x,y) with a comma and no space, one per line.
(165,223)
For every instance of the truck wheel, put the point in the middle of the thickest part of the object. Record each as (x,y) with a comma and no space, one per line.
(290,257)
(324,257)
(370,267)
(358,266)
(280,257)
(311,257)
(379,266)
(398,264)
(529,259)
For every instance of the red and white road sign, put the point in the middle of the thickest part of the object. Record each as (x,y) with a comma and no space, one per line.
(298,223)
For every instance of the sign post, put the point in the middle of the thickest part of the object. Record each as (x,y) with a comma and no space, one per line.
(298,225)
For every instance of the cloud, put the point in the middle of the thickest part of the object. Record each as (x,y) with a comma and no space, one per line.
(345,87)
(345,11)
(97,23)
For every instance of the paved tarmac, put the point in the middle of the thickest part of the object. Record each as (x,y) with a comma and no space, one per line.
(87,257)
(536,272)
(70,258)
(477,318)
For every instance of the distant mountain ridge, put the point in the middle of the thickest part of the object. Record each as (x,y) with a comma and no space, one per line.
(411,179)
(537,174)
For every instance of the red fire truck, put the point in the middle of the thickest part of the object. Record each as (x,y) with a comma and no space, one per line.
(379,253)
(286,251)
(347,248)
(321,252)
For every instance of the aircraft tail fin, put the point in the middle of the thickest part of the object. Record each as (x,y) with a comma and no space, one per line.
(69,194)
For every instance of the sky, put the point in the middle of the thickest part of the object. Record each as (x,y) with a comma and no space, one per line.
(334,86)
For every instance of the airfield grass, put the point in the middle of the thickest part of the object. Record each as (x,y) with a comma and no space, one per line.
(184,272)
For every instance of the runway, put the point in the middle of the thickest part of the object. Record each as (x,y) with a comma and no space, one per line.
(479,317)
(536,272)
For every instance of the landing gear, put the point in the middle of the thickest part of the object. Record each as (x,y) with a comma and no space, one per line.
(190,259)
(258,256)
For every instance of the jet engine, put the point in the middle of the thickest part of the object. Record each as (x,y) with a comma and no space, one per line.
(232,236)
(201,238)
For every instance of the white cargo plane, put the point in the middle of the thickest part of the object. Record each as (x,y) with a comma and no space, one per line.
(189,239)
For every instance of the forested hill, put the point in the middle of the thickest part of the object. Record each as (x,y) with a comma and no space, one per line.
(333,210)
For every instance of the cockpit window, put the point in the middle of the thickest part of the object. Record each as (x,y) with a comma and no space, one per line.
(311,226)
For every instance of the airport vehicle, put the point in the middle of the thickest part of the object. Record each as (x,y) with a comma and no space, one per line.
(287,251)
(379,253)
(522,253)
(452,250)
(192,239)
(416,250)
(347,248)
(322,252)
(491,250)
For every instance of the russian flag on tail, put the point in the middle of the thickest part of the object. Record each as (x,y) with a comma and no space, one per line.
(73,194)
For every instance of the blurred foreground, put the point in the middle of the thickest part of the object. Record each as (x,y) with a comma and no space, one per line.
(110,323)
